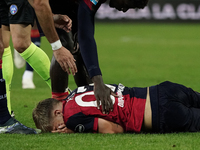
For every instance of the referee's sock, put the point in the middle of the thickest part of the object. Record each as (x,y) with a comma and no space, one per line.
(39,61)
(7,67)
(4,113)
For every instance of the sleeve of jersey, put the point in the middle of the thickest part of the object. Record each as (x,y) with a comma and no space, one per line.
(82,124)
(86,39)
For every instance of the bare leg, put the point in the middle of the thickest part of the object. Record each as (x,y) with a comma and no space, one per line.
(81,77)
(35,56)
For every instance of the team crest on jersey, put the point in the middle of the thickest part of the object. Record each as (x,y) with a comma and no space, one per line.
(79,128)
(13,9)
(94,1)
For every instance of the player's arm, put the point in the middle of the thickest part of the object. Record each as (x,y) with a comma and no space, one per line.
(45,18)
(87,124)
(89,53)
(105,126)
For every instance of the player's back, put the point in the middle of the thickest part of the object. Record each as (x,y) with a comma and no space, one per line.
(127,109)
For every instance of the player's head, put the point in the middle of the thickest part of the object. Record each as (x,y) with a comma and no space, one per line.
(48,114)
(124,5)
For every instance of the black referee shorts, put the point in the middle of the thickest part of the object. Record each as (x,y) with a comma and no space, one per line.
(16,12)
(179,108)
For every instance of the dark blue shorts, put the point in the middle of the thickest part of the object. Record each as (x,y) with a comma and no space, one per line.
(16,12)
(177,109)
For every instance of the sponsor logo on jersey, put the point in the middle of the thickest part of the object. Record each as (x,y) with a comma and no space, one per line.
(120,99)
(94,1)
(13,9)
(120,87)
(79,128)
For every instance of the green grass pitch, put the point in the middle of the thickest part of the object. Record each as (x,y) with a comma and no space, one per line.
(134,54)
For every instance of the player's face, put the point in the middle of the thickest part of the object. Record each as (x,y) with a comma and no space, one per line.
(57,119)
(57,123)
(123,5)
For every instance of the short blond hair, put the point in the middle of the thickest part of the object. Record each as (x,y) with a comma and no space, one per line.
(42,114)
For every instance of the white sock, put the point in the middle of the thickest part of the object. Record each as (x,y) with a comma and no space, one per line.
(27,75)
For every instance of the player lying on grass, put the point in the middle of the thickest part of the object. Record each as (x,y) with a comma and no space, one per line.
(163,108)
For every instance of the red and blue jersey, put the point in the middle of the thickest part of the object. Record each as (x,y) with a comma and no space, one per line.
(92,3)
(81,113)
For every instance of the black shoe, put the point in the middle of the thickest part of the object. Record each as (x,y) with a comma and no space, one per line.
(13,126)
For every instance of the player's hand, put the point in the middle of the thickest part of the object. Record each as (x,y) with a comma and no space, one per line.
(66,60)
(102,94)
(62,129)
(62,22)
